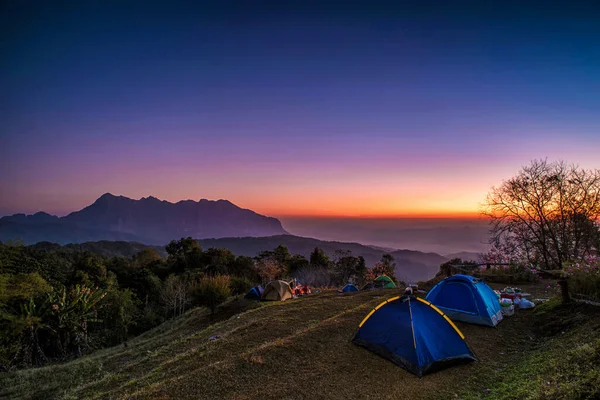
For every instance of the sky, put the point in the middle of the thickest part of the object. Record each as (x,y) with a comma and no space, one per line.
(296,111)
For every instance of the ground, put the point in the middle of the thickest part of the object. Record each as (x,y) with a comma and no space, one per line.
(302,349)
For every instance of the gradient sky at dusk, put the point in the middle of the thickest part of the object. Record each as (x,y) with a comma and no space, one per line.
(411,111)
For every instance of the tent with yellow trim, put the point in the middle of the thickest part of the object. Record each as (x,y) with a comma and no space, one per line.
(414,334)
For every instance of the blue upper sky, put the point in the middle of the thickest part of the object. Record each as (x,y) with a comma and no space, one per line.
(95,96)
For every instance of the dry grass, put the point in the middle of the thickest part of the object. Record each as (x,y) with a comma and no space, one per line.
(292,350)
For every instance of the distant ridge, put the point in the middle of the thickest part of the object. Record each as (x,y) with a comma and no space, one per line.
(148,220)
(465,256)
(410,265)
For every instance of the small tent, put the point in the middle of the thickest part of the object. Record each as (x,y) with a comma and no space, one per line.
(387,282)
(373,286)
(278,291)
(468,299)
(255,293)
(349,288)
(414,334)
(368,286)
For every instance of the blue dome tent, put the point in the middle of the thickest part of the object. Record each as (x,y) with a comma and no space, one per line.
(349,288)
(468,299)
(414,334)
(255,293)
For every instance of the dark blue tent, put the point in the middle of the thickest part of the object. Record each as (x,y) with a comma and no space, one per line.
(349,288)
(468,299)
(413,334)
(255,293)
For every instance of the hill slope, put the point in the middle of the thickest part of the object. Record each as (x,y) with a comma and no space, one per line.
(301,349)
(148,220)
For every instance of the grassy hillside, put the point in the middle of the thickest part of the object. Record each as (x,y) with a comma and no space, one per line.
(563,362)
(301,349)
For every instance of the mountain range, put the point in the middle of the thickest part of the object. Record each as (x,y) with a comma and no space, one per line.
(148,220)
(120,226)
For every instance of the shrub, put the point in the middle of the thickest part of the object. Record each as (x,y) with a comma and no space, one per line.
(268,269)
(152,315)
(118,315)
(584,277)
(520,272)
(585,284)
(240,285)
(210,291)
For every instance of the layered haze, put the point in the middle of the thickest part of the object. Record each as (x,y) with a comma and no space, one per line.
(445,236)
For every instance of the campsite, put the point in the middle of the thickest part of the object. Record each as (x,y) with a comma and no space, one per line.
(301,349)
(240,201)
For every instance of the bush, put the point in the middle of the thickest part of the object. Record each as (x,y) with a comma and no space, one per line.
(587,285)
(118,315)
(240,285)
(210,291)
(519,272)
(152,315)
(584,277)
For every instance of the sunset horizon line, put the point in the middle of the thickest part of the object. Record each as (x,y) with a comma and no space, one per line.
(461,215)
(412,214)
(416,215)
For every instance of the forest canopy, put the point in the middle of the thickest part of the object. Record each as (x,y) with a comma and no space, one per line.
(59,302)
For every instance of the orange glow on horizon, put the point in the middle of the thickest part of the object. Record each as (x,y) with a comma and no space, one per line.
(415,215)
(367,206)
(329,204)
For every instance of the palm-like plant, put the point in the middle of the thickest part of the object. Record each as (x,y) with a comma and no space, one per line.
(22,329)
(72,311)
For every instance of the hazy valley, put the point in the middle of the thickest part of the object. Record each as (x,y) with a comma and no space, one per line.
(444,236)
(119,226)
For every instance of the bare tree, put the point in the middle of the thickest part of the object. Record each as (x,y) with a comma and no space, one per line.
(174,295)
(317,277)
(547,214)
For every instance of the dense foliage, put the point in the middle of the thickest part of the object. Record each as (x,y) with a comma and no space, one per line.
(211,291)
(60,302)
